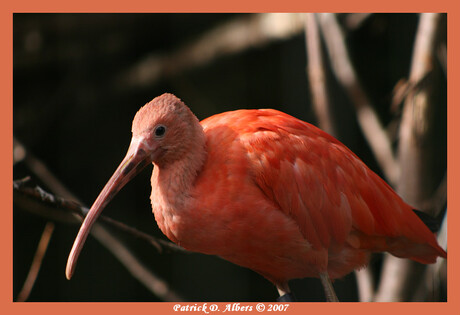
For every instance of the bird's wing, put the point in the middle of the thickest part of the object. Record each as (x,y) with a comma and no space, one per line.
(323,186)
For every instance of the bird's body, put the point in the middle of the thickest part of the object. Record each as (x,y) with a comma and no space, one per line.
(283,198)
(269,192)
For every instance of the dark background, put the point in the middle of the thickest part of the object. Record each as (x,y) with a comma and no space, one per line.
(73,106)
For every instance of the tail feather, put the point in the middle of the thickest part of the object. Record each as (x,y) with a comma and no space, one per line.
(402,247)
(423,253)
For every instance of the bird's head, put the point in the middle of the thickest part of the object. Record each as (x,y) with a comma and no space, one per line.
(164,131)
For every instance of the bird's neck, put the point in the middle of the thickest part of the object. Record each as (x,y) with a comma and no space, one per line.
(171,184)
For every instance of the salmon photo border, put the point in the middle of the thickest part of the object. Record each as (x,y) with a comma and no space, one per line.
(453,26)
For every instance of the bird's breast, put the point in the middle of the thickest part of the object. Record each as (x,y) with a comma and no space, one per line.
(230,217)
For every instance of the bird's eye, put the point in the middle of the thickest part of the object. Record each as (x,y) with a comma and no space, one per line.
(160,131)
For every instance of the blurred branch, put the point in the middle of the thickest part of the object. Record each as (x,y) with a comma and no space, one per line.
(354,20)
(417,120)
(392,288)
(36,263)
(316,75)
(157,286)
(367,118)
(365,284)
(232,37)
(400,278)
(422,59)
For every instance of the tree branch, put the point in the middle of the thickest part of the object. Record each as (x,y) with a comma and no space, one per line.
(59,208)
(414,156)
(367,118)
(317,76)
(365,284)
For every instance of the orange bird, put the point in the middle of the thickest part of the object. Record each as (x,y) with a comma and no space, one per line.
(266,191)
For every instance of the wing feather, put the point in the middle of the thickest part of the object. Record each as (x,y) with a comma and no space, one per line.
(324,186)
(294,165)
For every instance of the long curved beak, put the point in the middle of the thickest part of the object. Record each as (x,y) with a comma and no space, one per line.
(138,156)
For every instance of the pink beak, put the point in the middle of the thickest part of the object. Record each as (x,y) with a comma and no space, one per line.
(139,155)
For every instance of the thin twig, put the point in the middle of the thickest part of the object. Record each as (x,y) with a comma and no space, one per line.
(316,75)
(36,263)
(28,189)
(367,118)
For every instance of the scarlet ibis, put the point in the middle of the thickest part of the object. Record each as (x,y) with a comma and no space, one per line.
(266,191)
